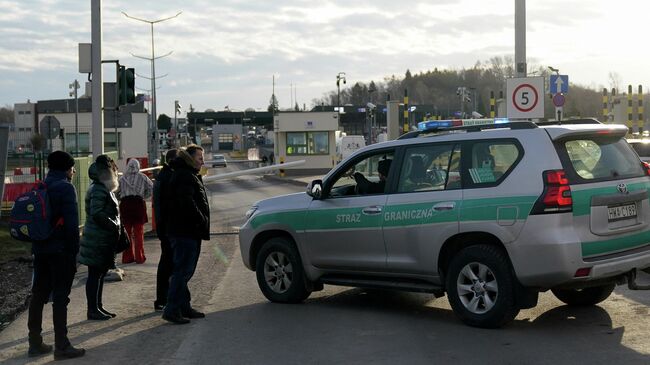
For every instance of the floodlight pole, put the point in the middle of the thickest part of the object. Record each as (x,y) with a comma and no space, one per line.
(153,79)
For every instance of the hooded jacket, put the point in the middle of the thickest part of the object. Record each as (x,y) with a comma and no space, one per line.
(133,182)
(189,213)
(102,227)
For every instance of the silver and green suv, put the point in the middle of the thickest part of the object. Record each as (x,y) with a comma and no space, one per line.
(489,214)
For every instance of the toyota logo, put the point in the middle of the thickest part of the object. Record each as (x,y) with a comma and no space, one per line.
(622,188)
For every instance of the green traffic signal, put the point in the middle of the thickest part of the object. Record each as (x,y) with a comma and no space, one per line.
(126,85)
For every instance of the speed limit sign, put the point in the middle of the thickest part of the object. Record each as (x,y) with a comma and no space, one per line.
(525,97)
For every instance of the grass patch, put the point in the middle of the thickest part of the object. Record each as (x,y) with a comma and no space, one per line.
(11,248)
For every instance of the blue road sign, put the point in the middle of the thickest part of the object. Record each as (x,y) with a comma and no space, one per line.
(559,84)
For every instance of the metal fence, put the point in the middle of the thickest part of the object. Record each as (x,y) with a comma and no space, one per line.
(17,182)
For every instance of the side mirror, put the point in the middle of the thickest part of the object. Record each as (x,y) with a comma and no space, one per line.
(315,189)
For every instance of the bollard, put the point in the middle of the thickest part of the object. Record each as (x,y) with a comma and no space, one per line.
(281,170)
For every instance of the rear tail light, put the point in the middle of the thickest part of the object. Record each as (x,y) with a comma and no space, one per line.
(646,167)
(582,272)
(556,197)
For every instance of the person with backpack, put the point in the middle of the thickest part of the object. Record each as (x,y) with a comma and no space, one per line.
(101,233)
(55,261)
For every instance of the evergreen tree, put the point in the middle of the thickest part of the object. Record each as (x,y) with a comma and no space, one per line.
(273,104)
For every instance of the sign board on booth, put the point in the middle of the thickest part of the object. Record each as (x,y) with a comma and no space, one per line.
(525,97)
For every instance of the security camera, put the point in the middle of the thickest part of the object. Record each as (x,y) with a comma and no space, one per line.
(371,105)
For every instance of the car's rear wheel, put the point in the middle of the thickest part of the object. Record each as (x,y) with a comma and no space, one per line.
(586,296)
(279,271)
(481,287)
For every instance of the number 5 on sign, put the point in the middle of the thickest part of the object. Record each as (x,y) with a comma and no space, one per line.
(525,97)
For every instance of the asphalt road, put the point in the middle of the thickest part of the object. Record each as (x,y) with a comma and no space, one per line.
(336,325)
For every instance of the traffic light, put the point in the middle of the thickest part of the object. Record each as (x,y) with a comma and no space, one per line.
(177,107)
(126,85)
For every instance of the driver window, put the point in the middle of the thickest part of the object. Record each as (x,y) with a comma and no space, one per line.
(363,177)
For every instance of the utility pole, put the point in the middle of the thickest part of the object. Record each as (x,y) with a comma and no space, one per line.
(520,38)
(97,80)
(339,77)
(153,78)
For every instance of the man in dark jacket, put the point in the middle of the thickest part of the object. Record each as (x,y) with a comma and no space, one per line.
(55,261)
(187,224)
(160,201)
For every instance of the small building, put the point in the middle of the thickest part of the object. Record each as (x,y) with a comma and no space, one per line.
(306,136)
(227,137)
(124,129)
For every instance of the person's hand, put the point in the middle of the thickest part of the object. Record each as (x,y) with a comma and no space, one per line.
(350,173)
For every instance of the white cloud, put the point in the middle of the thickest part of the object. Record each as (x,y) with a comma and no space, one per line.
(226,52)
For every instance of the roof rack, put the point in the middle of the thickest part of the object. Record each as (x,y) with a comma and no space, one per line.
(570,121)
(470,128)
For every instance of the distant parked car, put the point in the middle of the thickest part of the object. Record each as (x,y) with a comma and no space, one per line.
(219,160)
(641,147)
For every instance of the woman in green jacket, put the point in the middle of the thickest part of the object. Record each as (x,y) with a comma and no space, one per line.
(101,232)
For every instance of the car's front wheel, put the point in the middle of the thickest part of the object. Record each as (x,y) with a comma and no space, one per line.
(481,287)
(586,296)
(279,271)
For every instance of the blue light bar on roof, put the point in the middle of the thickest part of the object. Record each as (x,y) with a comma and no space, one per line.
(435,124)
(501,120)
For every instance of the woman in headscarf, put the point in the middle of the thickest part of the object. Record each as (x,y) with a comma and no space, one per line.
(135,187)
(101,232)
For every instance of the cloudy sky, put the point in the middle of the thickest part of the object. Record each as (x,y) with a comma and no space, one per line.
(225,52)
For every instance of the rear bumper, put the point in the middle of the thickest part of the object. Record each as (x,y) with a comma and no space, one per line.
(550,257)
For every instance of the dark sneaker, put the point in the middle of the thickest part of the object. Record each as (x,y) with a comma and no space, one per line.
(98,316)
(101,309)
(68,353)
(193,313)
(175,318)
(38,350)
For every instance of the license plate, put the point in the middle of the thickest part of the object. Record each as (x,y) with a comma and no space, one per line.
(621,212)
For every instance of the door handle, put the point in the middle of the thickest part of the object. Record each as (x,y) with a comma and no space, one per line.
(444,206)
(372,210)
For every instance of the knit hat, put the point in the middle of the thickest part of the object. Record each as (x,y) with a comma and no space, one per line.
(60,160)
(104,162)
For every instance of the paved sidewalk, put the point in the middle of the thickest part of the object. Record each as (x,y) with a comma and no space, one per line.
(131,299)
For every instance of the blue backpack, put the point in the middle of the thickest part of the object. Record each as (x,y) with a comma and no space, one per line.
(31,216)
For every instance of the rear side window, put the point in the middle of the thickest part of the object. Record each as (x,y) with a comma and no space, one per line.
(600,159)
(491,161)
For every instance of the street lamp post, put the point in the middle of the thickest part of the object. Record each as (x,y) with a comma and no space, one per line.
(153,75)
(339,77)
(75,87)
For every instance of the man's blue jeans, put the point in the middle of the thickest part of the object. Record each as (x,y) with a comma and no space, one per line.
(186,255)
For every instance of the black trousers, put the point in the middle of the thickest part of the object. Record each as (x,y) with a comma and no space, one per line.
(53,275)
(95,287)
(165,267)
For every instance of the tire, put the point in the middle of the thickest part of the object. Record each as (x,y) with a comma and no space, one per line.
(481,287)
(279,271)
(584,297)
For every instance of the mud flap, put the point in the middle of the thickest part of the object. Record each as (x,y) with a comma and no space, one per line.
(526,297)
(631,282)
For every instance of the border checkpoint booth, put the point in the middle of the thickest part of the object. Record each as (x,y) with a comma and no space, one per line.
(306,136)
